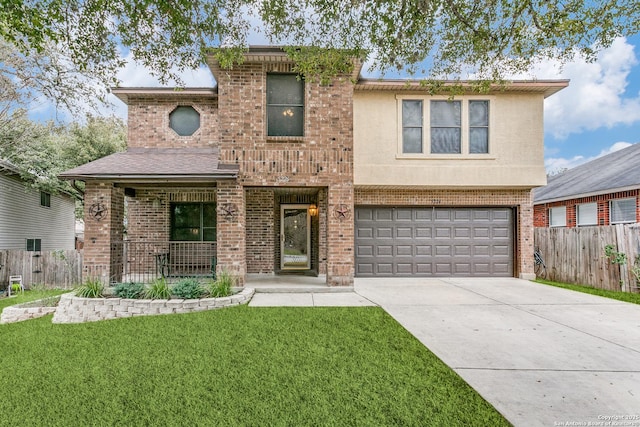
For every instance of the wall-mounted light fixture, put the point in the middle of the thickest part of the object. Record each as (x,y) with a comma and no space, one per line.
(313,209)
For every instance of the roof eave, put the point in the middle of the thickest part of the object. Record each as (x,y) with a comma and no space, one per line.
(124,93)
(546,87)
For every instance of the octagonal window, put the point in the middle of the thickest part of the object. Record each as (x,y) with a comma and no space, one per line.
(184,120)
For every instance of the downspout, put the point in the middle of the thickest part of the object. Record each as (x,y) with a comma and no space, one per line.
(75,186)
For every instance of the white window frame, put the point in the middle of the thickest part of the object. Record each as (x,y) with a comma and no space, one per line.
(426,128)
(561,213)
(592,208)
(625,221)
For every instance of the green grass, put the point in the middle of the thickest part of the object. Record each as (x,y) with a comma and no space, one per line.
(28,296)
(621,296)
(236,366)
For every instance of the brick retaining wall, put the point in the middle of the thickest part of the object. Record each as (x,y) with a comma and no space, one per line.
(72,309)
(18,314)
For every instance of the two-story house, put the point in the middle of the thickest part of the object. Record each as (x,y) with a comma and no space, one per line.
(33,220)
(269,173)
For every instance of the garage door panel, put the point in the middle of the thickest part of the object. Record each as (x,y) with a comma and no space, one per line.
(500,232)
(423,215)
(384,214)
(404,268)
(364,250)
(404,233)
(423,232)
(364,233)
(404,250)
(481,232)
(384,233)
(384,269)
(423,250)
(404,215)
(464,250)
(364,214)
(462,268)
(365,269)
(434,241)
(442,233)
(386,250)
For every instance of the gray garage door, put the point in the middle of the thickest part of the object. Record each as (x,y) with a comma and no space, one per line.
(439,242)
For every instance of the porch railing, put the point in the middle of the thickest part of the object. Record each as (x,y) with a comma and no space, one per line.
(145,261)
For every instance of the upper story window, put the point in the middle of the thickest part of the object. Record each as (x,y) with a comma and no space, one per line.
(193,222)
(455,127)
(558,216)
(622,211)
(285,105)
(587,214)
(34,245)
(412,126)
(45,199)
(184,120)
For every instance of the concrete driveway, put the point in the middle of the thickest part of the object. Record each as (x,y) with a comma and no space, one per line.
(542,356)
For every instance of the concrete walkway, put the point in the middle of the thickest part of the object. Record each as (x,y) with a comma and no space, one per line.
(542,356)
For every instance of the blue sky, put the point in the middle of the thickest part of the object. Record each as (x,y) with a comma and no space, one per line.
(598,113)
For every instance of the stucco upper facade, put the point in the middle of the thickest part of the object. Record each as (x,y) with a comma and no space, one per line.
(516,149)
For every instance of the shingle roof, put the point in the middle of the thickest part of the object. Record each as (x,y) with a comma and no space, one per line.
(614,172)
(152,164)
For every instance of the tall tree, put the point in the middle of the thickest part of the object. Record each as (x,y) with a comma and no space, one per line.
(41,151)
(491,37)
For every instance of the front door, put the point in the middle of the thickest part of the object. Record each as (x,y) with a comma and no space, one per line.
(295,237)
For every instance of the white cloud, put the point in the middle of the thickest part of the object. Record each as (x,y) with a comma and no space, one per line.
(557,164)
(596,96)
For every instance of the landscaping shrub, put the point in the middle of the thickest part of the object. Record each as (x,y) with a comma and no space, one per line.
(158,290)
(92,288)
(188,289)
(221,287)
(130,290)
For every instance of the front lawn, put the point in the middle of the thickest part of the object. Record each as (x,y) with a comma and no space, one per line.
(236,366)
(621,296)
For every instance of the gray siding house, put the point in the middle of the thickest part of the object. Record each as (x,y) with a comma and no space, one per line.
(33,220)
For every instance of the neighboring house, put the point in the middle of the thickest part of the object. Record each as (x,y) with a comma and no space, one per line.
(604,191)
(267,173)
(33,220)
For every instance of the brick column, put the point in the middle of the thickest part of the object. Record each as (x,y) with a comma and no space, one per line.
(231,238)
(525,240)
(103,251)
(340,235)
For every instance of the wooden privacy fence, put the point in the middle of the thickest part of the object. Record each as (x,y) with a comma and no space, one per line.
(53,269)
(577,255)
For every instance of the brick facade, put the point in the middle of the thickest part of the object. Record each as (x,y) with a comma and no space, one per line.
(541,211)
(321,159)
(521,200)
(148,122)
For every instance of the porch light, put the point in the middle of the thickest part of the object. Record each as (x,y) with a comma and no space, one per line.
(313,209)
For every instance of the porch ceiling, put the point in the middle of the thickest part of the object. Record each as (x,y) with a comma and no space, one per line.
(156,165)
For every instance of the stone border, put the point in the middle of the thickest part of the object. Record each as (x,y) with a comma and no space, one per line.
(29,310)
(73,309)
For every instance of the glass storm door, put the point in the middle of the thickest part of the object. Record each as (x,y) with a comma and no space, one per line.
(295,237)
